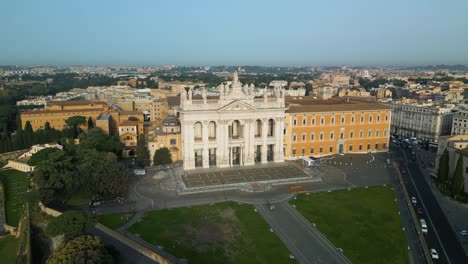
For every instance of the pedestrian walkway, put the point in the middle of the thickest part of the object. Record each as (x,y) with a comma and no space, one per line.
(303,240)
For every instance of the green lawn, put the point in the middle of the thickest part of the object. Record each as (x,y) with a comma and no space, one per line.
(220,233)
(8,250)
(363,222)
(16,185)
(114,221)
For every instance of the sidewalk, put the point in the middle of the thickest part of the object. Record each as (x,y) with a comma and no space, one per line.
(456,212)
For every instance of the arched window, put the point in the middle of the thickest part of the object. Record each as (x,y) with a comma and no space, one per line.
(362,118)
(304,121)
(370,118)
(361,133)
(321,135)
(352,120)
(378,118)
(212,130)
(235,129)
(332,135)
(197,128)
(271,127)
(312,136)
(294,138)
(369,133)
(351,134)
(258,128)
(294,121)
(312,121)
(342,119)
(322,120)
(385,132)
(377,132)
(386,117)
(303,136)
(332,120)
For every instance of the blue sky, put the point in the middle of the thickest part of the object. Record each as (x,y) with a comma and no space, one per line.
(242,32)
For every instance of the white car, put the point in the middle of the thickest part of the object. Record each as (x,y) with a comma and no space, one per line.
(413,200)
(464,232)
(434,254)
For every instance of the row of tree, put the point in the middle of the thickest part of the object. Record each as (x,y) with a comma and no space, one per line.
(162,156)
(89,169)
(368,84)
(453,185)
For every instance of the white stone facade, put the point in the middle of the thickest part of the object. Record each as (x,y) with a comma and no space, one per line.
(235,129)
(422,122)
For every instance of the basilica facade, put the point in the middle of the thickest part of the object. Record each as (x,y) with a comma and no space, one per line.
(235,129)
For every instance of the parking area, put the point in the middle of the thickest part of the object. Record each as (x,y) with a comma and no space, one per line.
(241,175)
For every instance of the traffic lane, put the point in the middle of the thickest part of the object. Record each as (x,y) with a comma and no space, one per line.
(448,238)
(430,237)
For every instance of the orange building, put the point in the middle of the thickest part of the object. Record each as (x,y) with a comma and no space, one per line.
(325,127)
(57,112)
(129,132)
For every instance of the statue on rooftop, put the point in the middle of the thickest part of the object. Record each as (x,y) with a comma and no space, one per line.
(235,77)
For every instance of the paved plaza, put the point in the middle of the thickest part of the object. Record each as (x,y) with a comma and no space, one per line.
(242,175)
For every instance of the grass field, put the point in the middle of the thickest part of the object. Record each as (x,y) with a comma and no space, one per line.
(364,222)
(8,250)
(114,221)
(220,233)
(16,184)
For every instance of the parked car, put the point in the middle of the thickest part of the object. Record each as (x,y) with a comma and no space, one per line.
(419,211)
(413,200)
(434,254)
(464,232)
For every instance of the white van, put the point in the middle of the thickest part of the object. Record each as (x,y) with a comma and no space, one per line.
(423,225)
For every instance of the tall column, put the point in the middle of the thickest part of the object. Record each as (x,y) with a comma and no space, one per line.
(279,128)
(249,148)
(189,156)
(223,144)
(264,140)
(205,153)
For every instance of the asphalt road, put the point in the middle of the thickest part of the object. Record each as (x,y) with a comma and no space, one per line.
(300,237)
(440,234)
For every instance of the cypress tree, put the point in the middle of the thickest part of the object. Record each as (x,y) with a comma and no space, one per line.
(28,127)
(458,179)
(442,173)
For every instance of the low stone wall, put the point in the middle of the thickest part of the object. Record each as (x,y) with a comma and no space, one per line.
(20,166)
(49,211)
(156,256)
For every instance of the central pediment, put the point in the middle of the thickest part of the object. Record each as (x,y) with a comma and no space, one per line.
(237,106)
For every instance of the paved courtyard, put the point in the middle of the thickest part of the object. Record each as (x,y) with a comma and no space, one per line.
(242,175)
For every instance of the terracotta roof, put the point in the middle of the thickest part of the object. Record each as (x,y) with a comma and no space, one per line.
(308,104)
(76,102)
(128,123)
(44,111)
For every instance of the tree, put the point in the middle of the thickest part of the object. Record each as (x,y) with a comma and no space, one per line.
(83,249)
(142,152)
(74,124)
(162,156)
(71,224)
(112,179)
(47,126)
(90,123)
(42,155)
(28,127)
(442,173)
(458,179)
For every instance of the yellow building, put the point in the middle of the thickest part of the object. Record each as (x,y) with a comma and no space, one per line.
(57,112)
(167,137)
(325,127)
(129,132)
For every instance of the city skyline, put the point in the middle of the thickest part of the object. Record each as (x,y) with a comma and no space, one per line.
(272,33)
